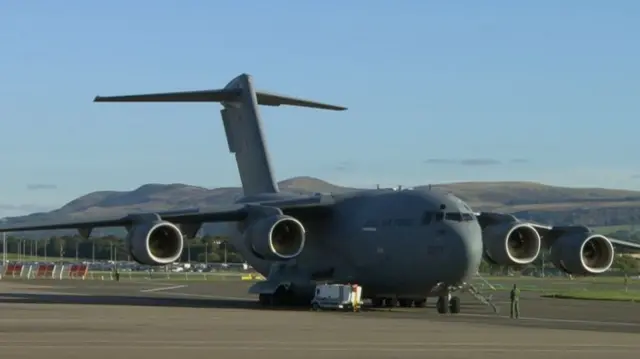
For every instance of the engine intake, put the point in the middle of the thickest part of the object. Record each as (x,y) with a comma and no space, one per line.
(278,237)
(511,243)
(155,243)
(582,253)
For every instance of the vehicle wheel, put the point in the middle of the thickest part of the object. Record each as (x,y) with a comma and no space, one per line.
(316,307)
(405,303)
(442,305)
(454,305)
(420,303)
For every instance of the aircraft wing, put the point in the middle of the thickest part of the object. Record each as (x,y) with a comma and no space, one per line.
(543,230)
(548,233)
(297,207)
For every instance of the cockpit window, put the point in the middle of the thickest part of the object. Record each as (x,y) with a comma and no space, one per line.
(458,217)
(439,216)
(453,216)
(467,217)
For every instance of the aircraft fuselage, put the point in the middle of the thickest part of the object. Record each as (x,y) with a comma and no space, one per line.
(402,242)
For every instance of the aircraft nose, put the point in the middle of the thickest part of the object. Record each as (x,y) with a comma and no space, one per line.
(467,250)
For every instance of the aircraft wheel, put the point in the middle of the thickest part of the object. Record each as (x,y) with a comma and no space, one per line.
(420,303)
(280,297)
(454,305)
(405,303)
(442,305)
(377,302)
(264,299)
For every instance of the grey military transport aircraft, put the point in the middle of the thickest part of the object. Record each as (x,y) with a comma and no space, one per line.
(402,246)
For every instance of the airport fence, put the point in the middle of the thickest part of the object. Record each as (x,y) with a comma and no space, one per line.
(82,272)
(557,284)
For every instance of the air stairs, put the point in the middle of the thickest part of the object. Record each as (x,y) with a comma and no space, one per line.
(484,299)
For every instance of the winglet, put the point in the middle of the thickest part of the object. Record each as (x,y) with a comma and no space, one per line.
(228,94)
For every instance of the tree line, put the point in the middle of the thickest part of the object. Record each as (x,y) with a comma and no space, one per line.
(209,249)
(204,249)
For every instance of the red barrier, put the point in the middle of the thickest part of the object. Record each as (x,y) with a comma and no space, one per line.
(78,270)
(13,269)
(45,270)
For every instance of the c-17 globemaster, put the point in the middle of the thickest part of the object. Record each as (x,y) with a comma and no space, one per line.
(401,246)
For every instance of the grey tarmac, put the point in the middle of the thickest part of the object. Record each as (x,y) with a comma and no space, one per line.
(100,319)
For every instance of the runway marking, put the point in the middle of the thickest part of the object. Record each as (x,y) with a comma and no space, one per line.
(206,296)
(162,288)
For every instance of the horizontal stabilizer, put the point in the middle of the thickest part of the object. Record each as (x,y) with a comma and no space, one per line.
(225,95)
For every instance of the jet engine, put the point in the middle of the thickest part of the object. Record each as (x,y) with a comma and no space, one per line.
(155,243)
(276,238)
(582,253)
(511,243)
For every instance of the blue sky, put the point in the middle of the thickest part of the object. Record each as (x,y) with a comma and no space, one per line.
(437,91)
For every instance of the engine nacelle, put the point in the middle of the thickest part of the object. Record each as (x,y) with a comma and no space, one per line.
(582,253)
(155,243)
(511,243)
(276,237)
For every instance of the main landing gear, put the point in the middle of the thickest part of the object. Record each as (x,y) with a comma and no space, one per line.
(283,297)
(445,304)
(399,302)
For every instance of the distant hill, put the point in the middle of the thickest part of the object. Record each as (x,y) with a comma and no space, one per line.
(549,204)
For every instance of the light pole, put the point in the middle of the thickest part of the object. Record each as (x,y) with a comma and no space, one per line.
(4,244)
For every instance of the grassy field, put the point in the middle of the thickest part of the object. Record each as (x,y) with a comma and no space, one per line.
(620,296)
(551,285)
(16,257)
(612,229)
(175,276)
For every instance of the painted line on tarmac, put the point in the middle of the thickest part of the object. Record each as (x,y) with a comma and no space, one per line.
(161,289)
(554,320)
(205,296)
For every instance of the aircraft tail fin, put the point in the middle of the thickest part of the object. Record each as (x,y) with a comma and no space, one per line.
(242,124)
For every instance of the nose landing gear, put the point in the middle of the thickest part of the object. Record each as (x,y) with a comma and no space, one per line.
(448,304)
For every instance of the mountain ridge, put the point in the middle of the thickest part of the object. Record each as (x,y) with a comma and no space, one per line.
(529,200)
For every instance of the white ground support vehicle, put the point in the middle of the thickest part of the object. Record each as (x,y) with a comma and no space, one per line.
(337,297)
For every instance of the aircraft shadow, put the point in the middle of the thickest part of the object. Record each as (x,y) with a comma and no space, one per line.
(136,301)
(150,301)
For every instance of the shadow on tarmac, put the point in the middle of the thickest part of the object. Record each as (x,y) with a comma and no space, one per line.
(136,301)
(150,301)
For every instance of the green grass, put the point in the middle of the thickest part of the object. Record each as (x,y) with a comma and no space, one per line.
(620,296)
(557,280)
(169,276)
(16,257)
(606,230)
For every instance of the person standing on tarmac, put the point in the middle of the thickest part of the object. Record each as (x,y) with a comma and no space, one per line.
(515,302)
